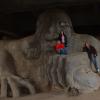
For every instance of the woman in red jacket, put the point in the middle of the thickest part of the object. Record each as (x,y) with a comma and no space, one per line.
(60,48)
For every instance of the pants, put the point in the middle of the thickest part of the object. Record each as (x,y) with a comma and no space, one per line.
(94,61)
(63,51)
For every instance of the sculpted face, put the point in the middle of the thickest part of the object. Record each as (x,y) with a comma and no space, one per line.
(51,23)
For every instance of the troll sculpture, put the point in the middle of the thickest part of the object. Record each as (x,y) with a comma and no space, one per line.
(35,59)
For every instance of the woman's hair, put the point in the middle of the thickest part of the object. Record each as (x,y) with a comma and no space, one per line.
(86,43)
(62,32)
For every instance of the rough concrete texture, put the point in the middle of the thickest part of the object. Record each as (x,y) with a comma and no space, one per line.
(8,77)
(73,70)
(79,73)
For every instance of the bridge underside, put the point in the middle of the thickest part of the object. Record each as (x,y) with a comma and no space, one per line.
(19,16)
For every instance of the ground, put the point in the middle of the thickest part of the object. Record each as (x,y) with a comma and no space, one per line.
(55,96)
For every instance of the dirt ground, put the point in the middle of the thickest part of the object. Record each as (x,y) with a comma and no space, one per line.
(59,96)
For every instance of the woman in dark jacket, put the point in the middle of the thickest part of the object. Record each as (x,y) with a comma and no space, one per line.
(92,53)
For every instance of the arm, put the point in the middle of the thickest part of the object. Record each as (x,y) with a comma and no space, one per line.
(65,40)
(95,51)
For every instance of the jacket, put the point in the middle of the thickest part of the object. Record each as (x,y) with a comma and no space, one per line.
(91,51)
(59,46)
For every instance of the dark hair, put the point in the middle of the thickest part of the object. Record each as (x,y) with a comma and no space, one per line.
(86,42)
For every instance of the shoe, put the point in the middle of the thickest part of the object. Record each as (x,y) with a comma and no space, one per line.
(98,70)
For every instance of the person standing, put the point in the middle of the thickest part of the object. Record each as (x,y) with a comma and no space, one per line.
(63,39)
(59,47)
(92,54)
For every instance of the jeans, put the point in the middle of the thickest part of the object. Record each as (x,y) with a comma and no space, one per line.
(94,61)
(63,51)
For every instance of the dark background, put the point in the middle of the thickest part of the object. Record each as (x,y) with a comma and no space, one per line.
(18,17)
